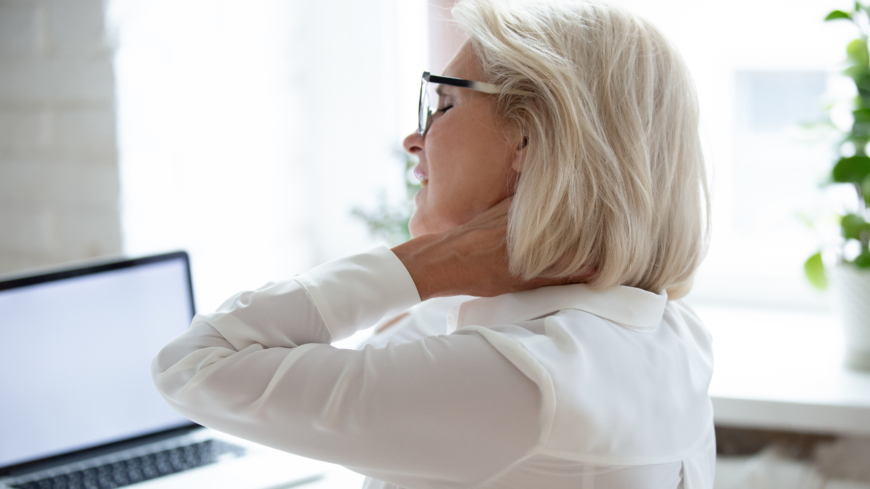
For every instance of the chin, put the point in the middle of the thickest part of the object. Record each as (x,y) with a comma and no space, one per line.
(414,226)
(420,225)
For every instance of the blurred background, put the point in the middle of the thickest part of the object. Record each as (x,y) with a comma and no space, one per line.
(248,133)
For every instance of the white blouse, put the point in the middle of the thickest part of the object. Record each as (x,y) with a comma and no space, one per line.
(557,387)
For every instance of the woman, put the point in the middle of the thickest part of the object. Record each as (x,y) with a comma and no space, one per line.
(567,193)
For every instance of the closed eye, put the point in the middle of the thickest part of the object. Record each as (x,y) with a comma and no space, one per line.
(444,109)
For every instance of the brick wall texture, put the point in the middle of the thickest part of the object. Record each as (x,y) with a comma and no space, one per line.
(59,185)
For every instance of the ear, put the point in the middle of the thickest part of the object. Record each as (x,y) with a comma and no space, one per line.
(520,155)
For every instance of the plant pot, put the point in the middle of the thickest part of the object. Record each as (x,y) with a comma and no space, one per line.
(852,301)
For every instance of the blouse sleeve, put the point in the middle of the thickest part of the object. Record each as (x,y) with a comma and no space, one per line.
(443,411)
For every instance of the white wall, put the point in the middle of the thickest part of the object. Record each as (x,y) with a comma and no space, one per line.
(445,35)
(249,129)
(58,158)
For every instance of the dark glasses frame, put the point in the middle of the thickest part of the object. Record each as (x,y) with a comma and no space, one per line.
(424,119)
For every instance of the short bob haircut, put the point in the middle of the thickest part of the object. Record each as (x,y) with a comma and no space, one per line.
(613,178)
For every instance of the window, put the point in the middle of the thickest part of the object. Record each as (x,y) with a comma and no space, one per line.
(242,139)
(760,68)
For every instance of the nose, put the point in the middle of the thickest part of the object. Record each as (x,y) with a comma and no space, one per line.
(414,143)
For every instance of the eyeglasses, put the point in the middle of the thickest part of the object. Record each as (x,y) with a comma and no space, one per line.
(425,111)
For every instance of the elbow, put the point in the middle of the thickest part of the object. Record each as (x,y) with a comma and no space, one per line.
(183,383)
(176,368)
(166,375)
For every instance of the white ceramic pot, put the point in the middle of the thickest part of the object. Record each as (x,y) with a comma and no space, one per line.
(852,300)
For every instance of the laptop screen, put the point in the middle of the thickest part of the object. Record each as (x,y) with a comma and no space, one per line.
(76,350)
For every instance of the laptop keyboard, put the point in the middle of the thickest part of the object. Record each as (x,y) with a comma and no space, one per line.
(138,469)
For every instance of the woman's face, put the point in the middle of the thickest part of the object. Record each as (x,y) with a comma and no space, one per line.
(468,160)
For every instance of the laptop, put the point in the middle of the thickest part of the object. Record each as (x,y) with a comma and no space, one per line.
(77,405)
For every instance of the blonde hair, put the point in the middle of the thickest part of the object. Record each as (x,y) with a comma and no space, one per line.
(613,178)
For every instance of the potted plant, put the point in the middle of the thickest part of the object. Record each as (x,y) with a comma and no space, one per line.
(851,275)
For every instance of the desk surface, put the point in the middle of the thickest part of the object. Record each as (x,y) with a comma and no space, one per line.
(784,370)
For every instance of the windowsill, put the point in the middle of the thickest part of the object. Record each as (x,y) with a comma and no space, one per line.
(779,369)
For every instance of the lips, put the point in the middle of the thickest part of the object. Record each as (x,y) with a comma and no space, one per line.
(424,179)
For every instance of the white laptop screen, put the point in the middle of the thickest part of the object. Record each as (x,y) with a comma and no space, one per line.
(75,357)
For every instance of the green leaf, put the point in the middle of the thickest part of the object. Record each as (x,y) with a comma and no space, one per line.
(862,260)
(837,14)
(852,169)
(854,71)
(860,74)
(860,128)
(865,189)
(853,226)
(814,269)
(857,52)
(858,141)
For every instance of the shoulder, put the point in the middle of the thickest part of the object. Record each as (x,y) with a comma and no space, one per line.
(615,392)
(426,319)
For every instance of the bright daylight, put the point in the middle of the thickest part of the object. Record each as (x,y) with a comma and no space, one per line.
(408,244)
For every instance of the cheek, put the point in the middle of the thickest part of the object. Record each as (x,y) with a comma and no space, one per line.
(449,165)
(468,172)
(431,214)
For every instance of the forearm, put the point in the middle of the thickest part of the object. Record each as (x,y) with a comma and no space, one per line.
(326,304)
(259,369)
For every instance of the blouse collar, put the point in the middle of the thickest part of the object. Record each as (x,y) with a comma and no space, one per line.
(630,307)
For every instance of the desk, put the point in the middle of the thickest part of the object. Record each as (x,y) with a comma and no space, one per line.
(783,370)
